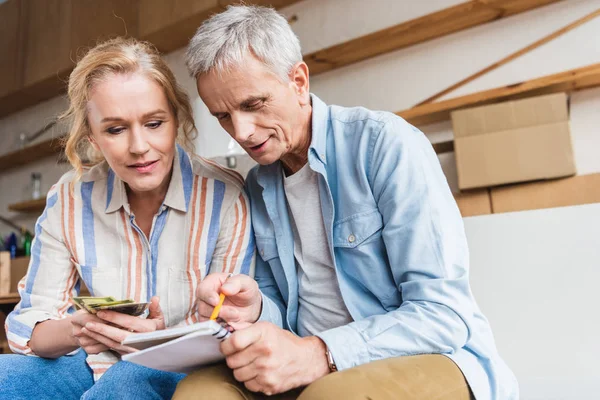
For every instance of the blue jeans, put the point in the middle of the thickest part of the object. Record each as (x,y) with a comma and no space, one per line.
(69,377)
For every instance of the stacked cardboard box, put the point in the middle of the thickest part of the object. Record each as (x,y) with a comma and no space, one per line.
(511,142)
(11,272)
(508,155)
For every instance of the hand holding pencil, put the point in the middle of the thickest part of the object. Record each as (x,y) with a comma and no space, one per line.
(234,299)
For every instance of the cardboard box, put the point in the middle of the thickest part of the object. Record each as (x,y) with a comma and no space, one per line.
(582,189)
(515,141)
(11,272)
(474,202)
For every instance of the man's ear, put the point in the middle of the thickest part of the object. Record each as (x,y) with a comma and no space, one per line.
(299,81)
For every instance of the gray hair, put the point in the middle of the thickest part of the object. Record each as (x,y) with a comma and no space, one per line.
(225,39)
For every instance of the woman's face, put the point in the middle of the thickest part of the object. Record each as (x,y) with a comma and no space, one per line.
(134,128)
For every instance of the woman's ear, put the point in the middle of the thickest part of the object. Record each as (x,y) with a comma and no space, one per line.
(90,138)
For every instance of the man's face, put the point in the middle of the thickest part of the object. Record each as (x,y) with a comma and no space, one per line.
(264,115)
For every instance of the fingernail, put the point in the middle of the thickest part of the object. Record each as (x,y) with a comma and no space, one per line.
(101,314)
(225,286)
(90,325)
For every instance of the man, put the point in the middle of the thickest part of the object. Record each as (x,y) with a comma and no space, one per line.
(363,264)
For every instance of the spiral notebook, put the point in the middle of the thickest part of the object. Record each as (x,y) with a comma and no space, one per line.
(182,349)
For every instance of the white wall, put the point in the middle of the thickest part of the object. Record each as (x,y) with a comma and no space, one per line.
(533,271)
(535,275)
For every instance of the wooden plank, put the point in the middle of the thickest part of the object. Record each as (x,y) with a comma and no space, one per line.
(443,147)
(277,4)
(30,154)
(51,46)
(170,25)
(575,79)
(93,21)
(33,94)
(474,202)
(449,20)
(10,63)
(576,190)
(47,38)
(30,206)
(514,55)
(12,298)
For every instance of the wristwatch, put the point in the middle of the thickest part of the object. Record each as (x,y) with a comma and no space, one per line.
(330,362)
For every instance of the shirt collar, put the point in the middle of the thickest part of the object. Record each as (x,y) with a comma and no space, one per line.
(320,125)
(178,193)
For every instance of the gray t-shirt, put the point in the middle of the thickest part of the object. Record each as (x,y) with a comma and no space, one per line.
(321,306)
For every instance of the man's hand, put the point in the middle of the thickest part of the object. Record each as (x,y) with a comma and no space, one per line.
(268,359)
(107,329)
(243,299)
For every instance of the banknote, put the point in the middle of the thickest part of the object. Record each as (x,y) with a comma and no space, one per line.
(134,309)
(95,304)
(87,302)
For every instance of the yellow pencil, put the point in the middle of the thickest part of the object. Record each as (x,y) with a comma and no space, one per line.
(215,312)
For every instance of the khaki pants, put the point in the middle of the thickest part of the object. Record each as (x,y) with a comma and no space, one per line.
(429,377)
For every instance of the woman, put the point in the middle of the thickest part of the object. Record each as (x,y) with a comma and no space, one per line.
(147,221)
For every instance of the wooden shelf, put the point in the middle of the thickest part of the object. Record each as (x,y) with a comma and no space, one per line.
(572,80)
(30,206)
(431,26)
(11,298)
(443,147)
(30,154)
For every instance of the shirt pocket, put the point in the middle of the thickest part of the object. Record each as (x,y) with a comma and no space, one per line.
(267,248)
(361,255)
(357,229)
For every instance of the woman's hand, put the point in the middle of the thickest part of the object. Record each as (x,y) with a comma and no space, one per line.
(78,321)
(110,328)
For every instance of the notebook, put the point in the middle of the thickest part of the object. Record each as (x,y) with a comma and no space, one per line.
(181,349)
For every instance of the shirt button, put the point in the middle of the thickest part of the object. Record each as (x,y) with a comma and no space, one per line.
(262,252)
(322,155)
(351,238)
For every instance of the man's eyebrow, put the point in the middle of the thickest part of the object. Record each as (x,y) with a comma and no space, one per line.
(249,102)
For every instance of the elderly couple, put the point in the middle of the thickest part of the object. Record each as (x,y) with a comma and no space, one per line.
(350,263)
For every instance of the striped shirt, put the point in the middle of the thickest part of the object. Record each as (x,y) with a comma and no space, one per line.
(88,233)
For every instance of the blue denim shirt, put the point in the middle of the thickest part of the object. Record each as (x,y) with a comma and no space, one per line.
(398,243)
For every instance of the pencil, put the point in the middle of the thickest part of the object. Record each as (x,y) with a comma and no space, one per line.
(215,312)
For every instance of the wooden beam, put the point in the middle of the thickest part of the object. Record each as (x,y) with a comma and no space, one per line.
(449,20)
(514,55)
(443,147)
(572,80)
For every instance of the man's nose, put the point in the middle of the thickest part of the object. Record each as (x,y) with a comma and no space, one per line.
(243,127)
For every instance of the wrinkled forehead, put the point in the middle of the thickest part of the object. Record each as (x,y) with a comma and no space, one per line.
(236,84)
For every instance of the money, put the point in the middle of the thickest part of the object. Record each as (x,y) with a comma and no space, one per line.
(109,303)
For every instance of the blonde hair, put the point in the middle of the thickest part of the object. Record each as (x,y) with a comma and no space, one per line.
(119,56)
